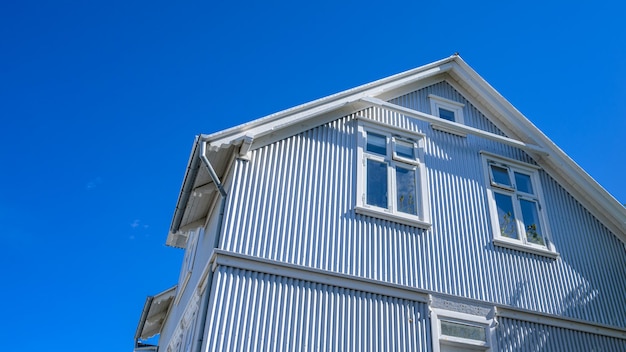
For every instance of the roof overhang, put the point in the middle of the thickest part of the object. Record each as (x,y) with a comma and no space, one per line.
(198,193)
(154,313)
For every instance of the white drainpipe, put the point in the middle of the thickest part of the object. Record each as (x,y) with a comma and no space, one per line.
(207,291)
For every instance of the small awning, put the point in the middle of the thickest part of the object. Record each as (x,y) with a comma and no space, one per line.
(153,315)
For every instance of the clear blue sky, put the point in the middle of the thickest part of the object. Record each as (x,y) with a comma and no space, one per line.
(100,102)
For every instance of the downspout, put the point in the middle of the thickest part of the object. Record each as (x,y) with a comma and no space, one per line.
(207,291)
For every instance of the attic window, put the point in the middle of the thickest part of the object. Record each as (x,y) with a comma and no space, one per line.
(391,175)
(518,218)
(446,114)
(446,109)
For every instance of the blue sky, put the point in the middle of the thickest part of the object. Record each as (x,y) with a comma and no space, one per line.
(100,102)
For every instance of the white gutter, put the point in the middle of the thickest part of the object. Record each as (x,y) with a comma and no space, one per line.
(185,192)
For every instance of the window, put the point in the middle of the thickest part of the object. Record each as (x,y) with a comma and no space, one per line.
(392,177)
(446,109)
(455,331)
(515,202)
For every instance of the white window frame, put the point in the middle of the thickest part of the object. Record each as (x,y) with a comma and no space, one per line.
(393,136)
(437,315)
(517,195)
(437,102)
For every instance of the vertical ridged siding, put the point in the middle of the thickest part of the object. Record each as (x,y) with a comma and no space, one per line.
(515,335)
(262,312)
(294,202)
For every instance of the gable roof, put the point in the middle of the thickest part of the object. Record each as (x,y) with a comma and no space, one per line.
(224,145)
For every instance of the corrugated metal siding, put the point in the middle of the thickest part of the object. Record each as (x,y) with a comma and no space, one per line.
(515,335)
(262,312)
(293,202)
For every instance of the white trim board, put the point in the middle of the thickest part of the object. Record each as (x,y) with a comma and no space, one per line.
(242,261)
(263,265)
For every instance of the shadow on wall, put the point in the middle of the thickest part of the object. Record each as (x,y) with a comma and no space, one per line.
(525,336)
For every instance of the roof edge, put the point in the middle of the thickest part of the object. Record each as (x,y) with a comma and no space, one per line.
(237,130)
(557,159)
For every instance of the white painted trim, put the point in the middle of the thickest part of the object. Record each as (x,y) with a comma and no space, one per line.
(422,219)
(395,217)
(188,261)
(560,322)
(506,160)
(296,115)
(263,265)
(565,170)
(186,321)
(455,126)
(516,245)
(437,102)
(438,127)
(415,136)
(548,250)
(438,314)
(446,101)
(182,286)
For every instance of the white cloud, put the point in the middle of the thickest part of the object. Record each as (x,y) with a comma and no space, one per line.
(94,183)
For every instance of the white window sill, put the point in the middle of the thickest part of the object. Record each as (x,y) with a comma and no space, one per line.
(525,248)
(402,219)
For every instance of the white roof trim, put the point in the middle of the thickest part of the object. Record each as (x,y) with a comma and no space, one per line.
(298,114)
(560,166)
(154,314)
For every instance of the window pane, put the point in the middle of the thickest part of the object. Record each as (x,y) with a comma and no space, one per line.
(446,114)
(376,143)
(530,217)
(500,175)
(465,331)
(405,149)
(523,183)
(376,193)
(506,216)
(407,190)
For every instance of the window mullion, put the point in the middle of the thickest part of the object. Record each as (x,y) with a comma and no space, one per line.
(393,187)
(519,222)
(512,178)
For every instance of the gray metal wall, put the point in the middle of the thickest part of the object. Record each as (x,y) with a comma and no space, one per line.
(515,335)
(262,312)
(294,200)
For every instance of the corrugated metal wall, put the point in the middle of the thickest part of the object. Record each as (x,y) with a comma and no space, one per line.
(262,312)
(515,335)
(294,200)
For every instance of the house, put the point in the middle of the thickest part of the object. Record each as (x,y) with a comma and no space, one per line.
(420,212)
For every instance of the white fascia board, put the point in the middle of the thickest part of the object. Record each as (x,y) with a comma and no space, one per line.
(586,190)
(302,114)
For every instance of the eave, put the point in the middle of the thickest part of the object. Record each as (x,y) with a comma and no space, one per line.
(154,313)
